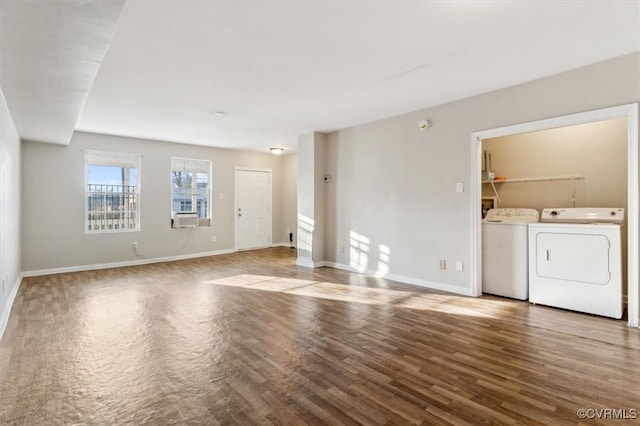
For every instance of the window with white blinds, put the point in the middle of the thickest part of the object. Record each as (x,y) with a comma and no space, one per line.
(112,191)
(191,187)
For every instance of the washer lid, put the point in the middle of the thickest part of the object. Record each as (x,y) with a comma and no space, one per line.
(512,215)
(584,215)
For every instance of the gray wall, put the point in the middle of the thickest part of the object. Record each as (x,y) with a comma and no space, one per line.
(305,196)
(290,196)
(10,262)
(53,197)
(597,151)
(393,191)
(311,197)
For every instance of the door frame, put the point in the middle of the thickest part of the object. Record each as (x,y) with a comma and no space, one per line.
(235,202)
(630,111)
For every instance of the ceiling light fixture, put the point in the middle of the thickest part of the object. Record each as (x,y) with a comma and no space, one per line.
(277,151)
(218,114)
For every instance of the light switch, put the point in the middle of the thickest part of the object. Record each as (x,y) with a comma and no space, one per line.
(459,266)
(460,187)
(221,196)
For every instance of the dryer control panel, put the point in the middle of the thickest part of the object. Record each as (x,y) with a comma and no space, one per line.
(612,215)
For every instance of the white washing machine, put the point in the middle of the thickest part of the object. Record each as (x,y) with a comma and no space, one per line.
(504,252)
(575,260)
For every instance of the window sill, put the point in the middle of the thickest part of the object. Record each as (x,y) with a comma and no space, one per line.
(110,231)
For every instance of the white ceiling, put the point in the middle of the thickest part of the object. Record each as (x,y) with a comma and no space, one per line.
(50,53)
(279,69)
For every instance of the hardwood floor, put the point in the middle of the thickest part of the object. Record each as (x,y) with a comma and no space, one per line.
(249,338)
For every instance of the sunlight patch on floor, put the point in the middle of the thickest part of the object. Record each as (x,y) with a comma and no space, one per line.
(448,304)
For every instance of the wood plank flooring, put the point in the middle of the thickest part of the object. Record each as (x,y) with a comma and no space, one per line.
(250,338)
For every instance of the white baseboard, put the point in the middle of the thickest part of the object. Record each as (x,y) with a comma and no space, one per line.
(406,280)
(136,262)
(280,245)
(308,263)
(4,320)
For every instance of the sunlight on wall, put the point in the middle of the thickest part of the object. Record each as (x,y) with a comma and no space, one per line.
(359,252)
(305,236)
(384,257)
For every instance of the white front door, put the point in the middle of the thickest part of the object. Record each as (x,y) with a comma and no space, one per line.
(253,208)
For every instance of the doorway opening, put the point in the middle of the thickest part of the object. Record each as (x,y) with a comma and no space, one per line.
(630,112)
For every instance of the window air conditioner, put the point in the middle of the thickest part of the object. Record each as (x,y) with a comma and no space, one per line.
(184,220)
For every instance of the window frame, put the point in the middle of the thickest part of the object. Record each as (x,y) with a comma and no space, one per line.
(207,221)
(112,159)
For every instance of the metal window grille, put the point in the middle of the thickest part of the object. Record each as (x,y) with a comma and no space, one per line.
(111,207)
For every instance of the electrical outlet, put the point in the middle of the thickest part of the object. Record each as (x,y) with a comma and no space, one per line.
(459,265)
(135,245)
(214,238)
(443,264)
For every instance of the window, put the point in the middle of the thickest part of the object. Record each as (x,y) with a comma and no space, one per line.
(112,192)
(191,188)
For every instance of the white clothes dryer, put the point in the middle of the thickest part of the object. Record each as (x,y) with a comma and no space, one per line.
(504,252)
(575,260)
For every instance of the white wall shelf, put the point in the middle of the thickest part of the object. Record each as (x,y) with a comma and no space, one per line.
(535,179)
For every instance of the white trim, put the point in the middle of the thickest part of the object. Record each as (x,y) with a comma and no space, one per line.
(116,157)
(136,262)
(405,280)
(209,186)
(4,320)
(633,218)
(235,204)
(112,158)
(3,240)
(255,169)
(308,263)
(280,245)
(630,111)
